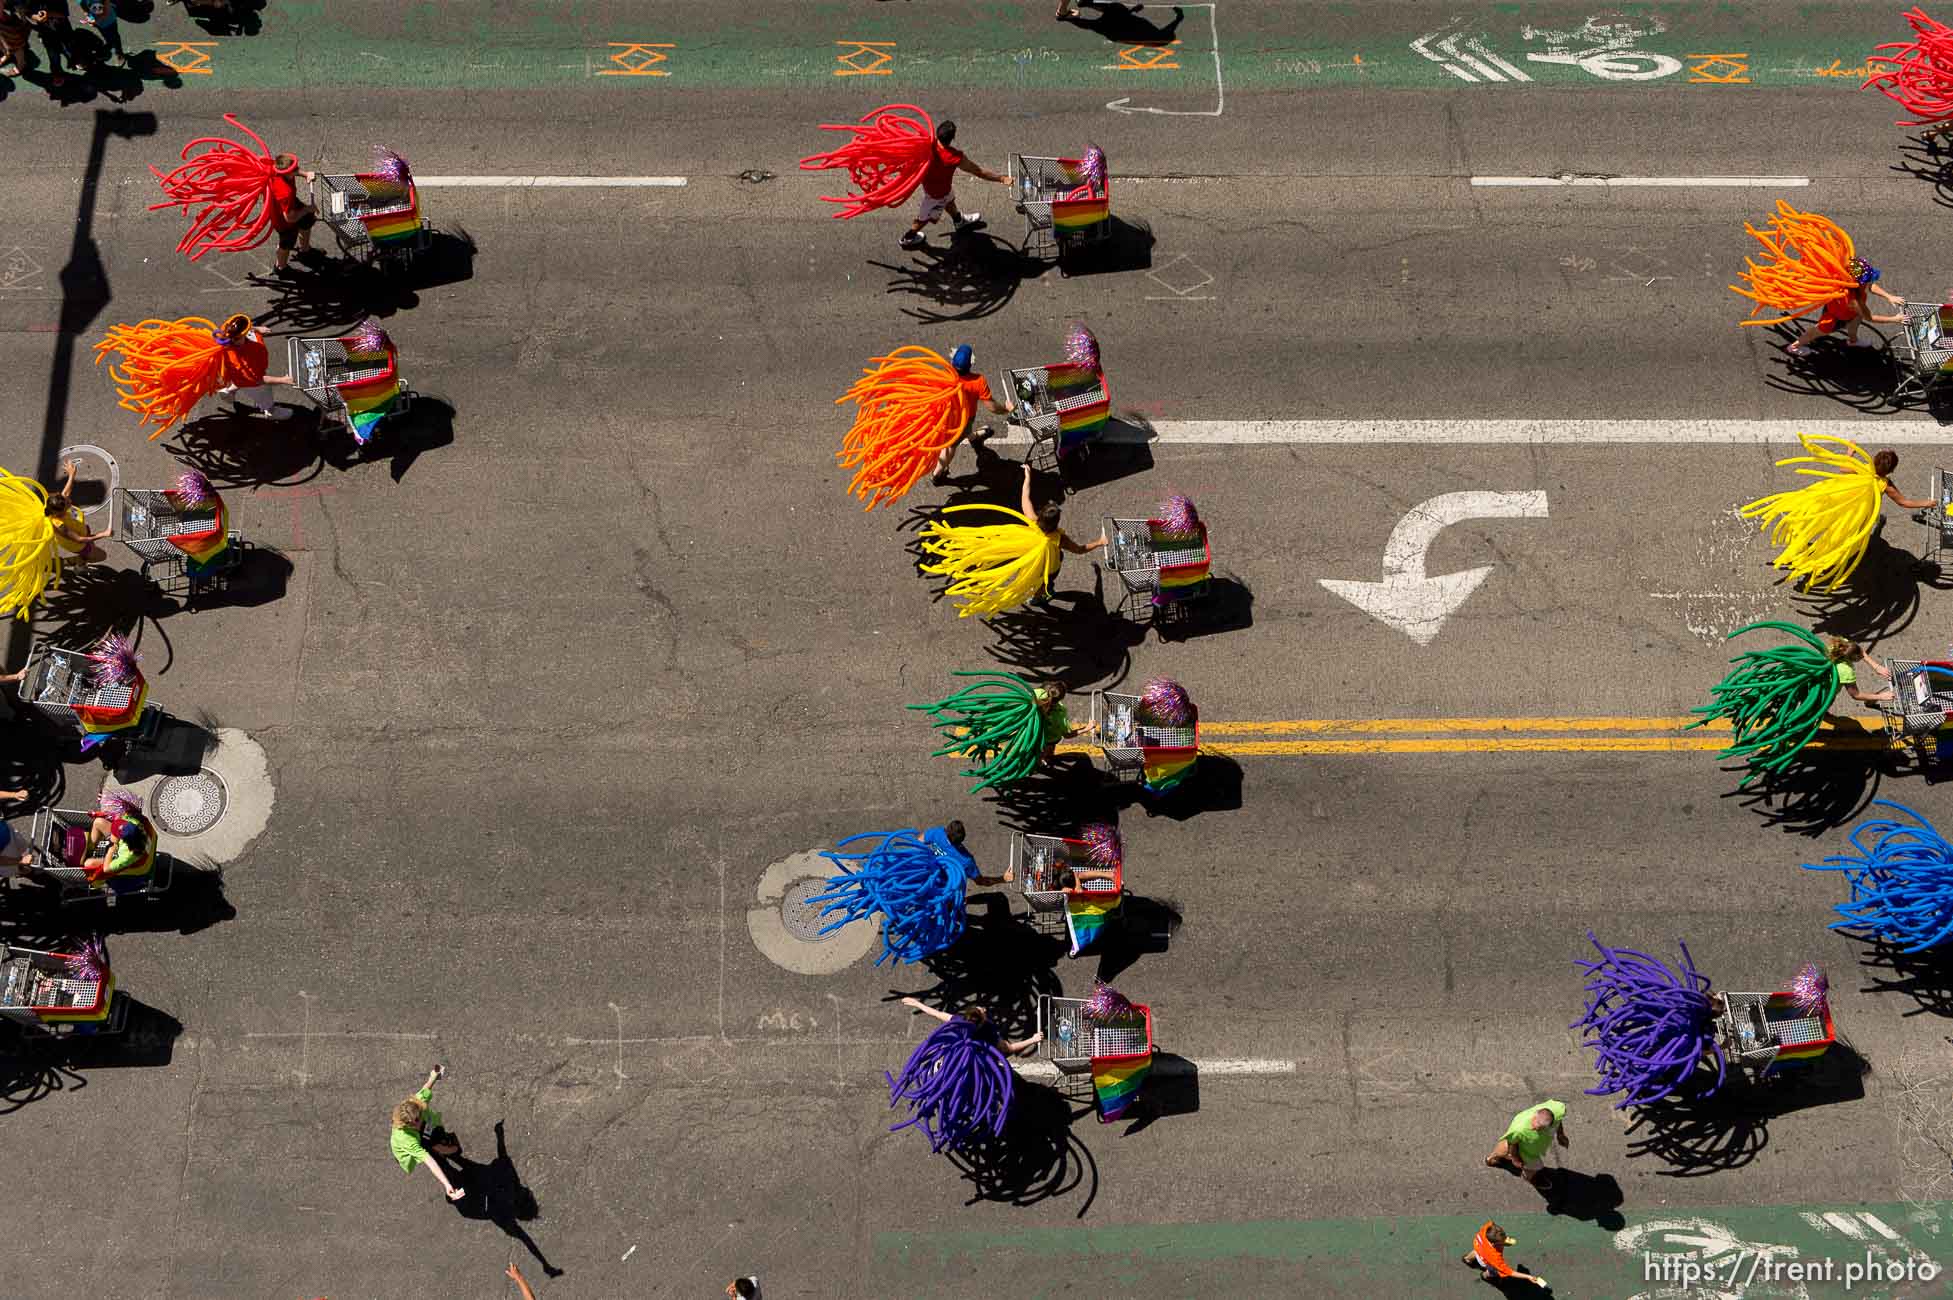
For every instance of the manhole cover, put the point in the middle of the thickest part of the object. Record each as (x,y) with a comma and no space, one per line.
(188,805)
(803,919)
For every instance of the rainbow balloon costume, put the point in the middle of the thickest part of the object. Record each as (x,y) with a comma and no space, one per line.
(991,567)
(1918,74)
(30,562)
(910,406)
(166,367)
(1823,527)
(891,146)
(1808,264)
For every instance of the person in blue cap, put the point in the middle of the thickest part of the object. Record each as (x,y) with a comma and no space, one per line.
(975,388)
(1848,311)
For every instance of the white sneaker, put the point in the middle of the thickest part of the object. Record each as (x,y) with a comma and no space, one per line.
(970,221)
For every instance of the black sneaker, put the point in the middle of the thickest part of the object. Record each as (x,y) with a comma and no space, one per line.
(971,221)
(982,435)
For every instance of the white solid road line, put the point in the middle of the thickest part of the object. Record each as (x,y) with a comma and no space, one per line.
(558,182)
(1519,432)
(1646,182)
(1212,1068)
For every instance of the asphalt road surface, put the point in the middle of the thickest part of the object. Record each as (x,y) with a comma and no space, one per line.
(558,690)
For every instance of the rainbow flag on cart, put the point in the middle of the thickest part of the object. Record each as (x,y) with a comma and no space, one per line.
(398,219)
(98,724)
(201,550)
(1116,1081)
(1087,914)
(1085,419)
(369,401)
(1177,581)
(1167,768)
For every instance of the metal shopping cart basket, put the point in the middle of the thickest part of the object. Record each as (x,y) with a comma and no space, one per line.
(1066,202)
(1920,707)
(1161,574)
(375,218)
(73,689)
(59,840)
(352,381)
(1096,1055)
(41,994)
(1939,529)
(1038,861)
(1923,349)
(1063,407)
(1761,1033)
(182,547)
(1136,749)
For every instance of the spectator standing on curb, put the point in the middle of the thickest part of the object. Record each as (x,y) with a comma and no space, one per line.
(744,1288)
(100,14)
(50,19)
(417,1136)
(13,41)
(1487,1255)
(1524,1146)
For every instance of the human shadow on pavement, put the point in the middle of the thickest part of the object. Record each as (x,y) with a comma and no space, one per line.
(1817,795)
(1072,637)
(495,1192)
(34,1068)
(30,760)
(1925,157)
(973,276)
(1037,1157)
(1879,600)
(1001,963)
(235,18)
(1122,24)
(1925,977)
(237,448)
(1725,1130)
(1859,378)
(1591,1198)
(88,53)
(1066,792)
(1146,927)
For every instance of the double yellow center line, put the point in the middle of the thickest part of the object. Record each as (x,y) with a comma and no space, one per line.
(1492,735)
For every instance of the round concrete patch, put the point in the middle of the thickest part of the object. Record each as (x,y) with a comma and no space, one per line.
(784,926)
(214,813)
(110,476)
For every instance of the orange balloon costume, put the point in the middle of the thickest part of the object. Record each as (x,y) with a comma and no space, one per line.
(167,367)
(909,406)
(1810,264)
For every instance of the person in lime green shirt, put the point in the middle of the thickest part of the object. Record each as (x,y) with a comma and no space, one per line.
(1527,1138)
(414,1121)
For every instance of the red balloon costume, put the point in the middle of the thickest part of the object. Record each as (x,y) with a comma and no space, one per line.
(1918,75)
(232,188)
(884,160)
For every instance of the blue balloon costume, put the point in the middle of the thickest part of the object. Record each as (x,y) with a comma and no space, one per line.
(1901,879)
(916,882)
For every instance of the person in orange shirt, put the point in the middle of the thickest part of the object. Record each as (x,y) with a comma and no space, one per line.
(975,389)
(1487,1255)
(1848,311)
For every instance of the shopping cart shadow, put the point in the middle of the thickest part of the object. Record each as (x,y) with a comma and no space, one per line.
(1927,158)
(1000,964)
(241,449)
(33,1069)
(30,760)
(1817,795)
(1879,600)
(1037,1157)
(1862,379)
(1213,786)
(326,294)
(1064,794)
(1146,927)
(973,276)
(1726,1130)
(1126,246)
(90,603)
(426,425)
(1073,637)
(1173,1088)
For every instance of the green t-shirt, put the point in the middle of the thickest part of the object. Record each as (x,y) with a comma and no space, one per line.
(124,857)
(1531,1143)
(1847,675)
(406,1142)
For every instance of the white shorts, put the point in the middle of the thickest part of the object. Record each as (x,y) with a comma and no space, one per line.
(930,206)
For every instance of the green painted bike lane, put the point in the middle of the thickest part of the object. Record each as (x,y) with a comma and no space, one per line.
(883,52)
(1891,1252)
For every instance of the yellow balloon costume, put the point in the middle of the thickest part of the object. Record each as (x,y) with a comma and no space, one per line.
(1823,527)
(29,560)
(168,366)
(909,406)
(991,567)
(1809,264)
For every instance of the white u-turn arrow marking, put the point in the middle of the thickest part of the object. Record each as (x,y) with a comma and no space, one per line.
(1406,599)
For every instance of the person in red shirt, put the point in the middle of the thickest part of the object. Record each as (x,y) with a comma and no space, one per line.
(933,196)
(292,219)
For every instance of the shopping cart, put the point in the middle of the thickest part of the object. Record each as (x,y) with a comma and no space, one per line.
(1137,749)
(41,993)
(1104,1056)
(1038,861)
(1939,529)
(59,839)
(1161,573)
(352,380)
(76,690)
(1762,1033)
(183,548)
(1063,407)
(1923,349)
(1066,202)
(375,218)
(1920,707)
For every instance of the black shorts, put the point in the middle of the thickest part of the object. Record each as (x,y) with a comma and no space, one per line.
(288,235)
